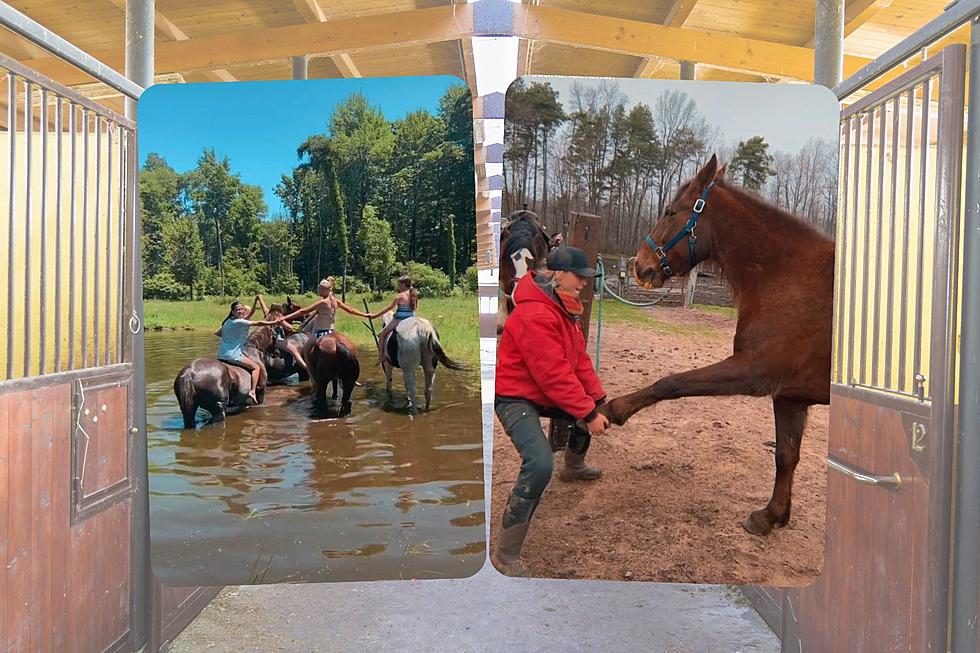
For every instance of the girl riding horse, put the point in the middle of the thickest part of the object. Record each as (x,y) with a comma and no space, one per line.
(406,301)
(233,332)
(325,310)
(281,332)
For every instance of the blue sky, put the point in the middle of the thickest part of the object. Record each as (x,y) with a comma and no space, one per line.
(259,125)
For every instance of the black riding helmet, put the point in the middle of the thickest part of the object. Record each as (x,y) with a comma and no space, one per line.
(570,259)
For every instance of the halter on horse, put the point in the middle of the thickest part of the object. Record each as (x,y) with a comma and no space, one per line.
(525,244)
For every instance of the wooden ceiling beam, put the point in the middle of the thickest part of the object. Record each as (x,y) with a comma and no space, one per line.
(857,13)
(414,27)
(311,11)
(639,38)
(679,12)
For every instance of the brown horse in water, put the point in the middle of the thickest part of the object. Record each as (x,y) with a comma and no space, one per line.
(333,358)
(782,273)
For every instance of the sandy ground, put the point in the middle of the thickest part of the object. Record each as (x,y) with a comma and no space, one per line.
(678,479)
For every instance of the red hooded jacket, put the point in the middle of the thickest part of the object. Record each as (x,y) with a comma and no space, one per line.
(541,355)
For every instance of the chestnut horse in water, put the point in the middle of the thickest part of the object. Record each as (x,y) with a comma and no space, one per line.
(782,273)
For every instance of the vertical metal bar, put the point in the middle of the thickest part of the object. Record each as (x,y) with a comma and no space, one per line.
(879,242)
(903,315)
(890,302)
(139,69)
(862,379)
(96,289)
(965,571)
(828,42)
(28,245)
(852,294)
(109,129)
(84,273)
(42,365)
(11,219)
(842,260)
(949,169)
(121,286)
(59,105)
(920,258)
(73,129)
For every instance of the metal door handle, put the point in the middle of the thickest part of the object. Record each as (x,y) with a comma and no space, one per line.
(893,480)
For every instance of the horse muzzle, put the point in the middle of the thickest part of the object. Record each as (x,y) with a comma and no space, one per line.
(649,277)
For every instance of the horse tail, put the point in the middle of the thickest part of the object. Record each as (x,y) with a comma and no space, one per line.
(184,389)
(440,353)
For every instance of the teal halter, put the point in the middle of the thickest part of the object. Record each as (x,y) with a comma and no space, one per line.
(687,229)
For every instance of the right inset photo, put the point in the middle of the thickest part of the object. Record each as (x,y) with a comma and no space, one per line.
(664,331)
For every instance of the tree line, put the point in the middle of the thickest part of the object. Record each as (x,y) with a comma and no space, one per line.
(600,154)
(368,200)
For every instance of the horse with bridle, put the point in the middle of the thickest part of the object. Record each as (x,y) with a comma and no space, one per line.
(782,273)
(524,245)
(222,388)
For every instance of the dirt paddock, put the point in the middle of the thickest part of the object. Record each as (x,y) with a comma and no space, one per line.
(678,479)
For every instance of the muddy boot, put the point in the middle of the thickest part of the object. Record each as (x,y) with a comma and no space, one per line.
(575,468)
(507,555)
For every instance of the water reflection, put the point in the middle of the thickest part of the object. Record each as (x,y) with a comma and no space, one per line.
(271,495)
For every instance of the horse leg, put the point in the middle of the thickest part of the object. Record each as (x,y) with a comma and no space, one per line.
(429,368)
(790,422)
(732,376)
(335,379)
(410,387)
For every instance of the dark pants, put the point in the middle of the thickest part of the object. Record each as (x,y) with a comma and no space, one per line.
(522,423)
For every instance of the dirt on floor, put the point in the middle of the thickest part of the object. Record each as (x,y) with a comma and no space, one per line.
(678,479)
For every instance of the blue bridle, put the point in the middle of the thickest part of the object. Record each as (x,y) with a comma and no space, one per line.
(687,229)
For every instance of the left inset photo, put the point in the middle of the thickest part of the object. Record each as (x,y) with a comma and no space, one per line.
(312,346)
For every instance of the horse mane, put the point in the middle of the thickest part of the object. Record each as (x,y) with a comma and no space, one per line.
(771,213)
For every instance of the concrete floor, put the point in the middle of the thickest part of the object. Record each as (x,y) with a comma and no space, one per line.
(486,612)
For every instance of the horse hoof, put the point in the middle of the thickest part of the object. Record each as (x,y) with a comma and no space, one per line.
(611,411)
(758,523)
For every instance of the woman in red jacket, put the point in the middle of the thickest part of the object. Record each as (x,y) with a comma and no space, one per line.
(543,370)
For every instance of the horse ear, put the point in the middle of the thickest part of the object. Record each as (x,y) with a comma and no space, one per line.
(722,171)
(706,174)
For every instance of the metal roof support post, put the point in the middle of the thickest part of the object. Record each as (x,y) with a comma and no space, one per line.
(139,69)
(301,67)
(967,502)
(828,43)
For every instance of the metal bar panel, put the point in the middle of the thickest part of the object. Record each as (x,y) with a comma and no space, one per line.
(28,223)
(11,219)
(97,216)
(44,38)
(890,303)
(928,68)
(72,270)
(122,286)
(867,251)
(844,244)
(108,245)
(907,213)
(42,346)
(882,112)
(956,14)
(84,273)
(920,257)
(852,295)
(59,106)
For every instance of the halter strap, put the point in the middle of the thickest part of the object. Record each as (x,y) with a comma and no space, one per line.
(687,229)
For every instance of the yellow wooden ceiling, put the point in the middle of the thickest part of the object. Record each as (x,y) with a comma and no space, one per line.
(227,40)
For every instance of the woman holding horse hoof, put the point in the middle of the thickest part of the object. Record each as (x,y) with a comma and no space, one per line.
(233,332)
(544,370)
(405,302)
(325,312)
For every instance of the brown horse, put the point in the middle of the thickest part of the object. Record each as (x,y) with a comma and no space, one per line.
(782,274)
(218,387)
(524,245)
(333,358)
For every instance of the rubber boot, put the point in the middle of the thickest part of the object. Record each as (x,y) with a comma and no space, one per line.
(507,555)
(575,468)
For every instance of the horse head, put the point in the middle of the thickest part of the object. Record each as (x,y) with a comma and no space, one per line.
(291,307)
(682,235)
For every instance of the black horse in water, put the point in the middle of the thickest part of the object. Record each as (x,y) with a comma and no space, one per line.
(221,388)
